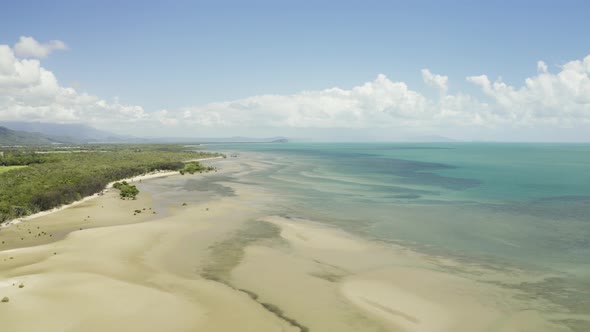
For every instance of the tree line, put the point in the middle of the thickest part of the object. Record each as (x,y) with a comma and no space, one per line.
(56,179)
(17,158)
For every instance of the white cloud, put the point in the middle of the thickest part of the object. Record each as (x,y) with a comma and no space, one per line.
(561,99)
(437,81)
(28,92)
(541,67)
(381,102)
(547,100)
(28,47)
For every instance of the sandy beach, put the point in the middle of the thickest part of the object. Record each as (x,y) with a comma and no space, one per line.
(193,261)
(139,178)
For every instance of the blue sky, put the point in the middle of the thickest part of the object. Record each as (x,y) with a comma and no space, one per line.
(185,55)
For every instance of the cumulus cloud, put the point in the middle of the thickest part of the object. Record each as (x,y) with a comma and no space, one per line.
(28,47)
(557,99)
(381,102)
(439,82)
(562,98)
(29,92)
(542,67)
(547,100)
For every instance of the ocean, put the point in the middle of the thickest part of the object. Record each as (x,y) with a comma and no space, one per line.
(509,206)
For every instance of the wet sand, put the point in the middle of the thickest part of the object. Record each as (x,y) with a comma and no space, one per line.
(224,262)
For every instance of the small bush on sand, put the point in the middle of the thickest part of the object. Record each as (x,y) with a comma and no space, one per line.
(127,191)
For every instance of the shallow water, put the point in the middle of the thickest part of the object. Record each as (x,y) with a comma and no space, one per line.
(510,206)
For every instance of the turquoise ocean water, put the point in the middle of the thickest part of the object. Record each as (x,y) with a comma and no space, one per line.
(517,205)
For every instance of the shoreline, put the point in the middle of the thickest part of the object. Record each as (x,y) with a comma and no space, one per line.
(152,175)
(126,275)
(203,159)
(199,267)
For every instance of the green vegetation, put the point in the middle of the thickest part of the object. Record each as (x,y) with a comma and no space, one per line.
(193,167)
(5,299)
(4,169)
(20,158)
(60,175)
(127,191)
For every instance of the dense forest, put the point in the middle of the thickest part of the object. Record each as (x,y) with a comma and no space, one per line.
(53,177)
(20,158)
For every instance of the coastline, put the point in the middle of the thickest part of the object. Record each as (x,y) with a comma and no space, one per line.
(225,263)
(100,278)
(152,175)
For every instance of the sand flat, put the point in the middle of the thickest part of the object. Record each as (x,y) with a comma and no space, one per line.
(127,273)
(300,234)
(404,309)
(91,302)
(224,263)
(377,286)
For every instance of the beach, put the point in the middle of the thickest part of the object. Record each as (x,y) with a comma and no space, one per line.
(208,253)
(138,178)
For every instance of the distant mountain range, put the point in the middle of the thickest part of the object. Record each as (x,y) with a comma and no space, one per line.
(70,133)
(40,133)
(17,137)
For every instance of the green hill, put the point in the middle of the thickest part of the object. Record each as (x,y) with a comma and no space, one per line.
(70,131)
(14,137)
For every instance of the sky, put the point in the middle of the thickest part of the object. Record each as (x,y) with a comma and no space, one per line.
(316,70)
